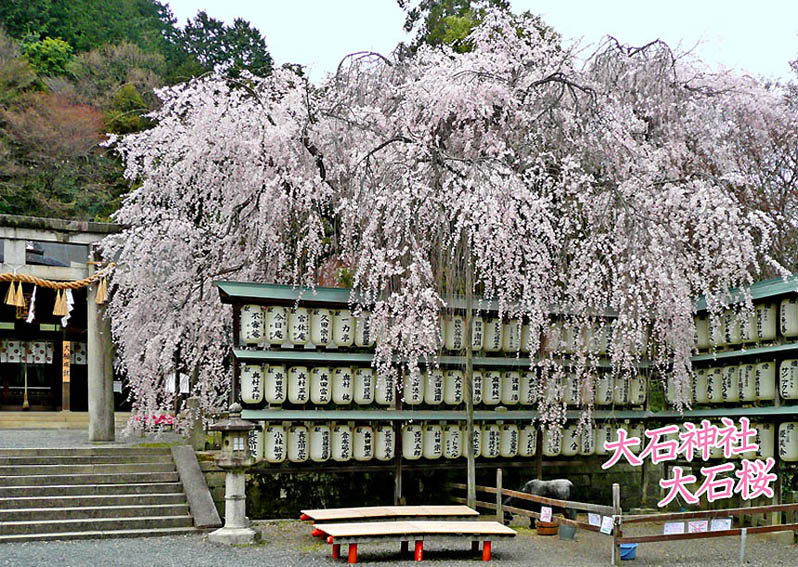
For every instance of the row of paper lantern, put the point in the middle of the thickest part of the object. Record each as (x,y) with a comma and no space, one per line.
(747,382)
(766,323)
(342,385)
(278,442)
(280,326)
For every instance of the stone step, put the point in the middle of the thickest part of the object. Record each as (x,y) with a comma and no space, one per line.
(84,460)
(59,501)
(78,490)
(117,468)
(85,451)
(118,478)
(97,524)
(100,534)
(92,512)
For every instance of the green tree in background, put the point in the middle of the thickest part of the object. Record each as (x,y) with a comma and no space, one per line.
(236,47)
(438,22)
(49,56)
(126,112)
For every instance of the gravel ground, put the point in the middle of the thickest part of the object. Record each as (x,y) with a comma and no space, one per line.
(288,544)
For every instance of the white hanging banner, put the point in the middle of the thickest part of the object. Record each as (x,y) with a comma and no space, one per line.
(32,306)
(70,302)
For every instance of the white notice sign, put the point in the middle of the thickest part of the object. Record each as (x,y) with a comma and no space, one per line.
(720,524)
(672,528)
(545,514)
(594,519)
(606,525)
(697,526)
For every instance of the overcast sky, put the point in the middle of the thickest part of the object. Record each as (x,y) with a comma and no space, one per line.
(758,37)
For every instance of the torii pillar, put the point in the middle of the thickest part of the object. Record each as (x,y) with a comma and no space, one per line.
(101,367)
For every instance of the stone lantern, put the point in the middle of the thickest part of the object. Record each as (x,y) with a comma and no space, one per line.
(234,459)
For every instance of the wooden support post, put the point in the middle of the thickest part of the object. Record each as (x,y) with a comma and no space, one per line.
(539,454)
(397,435)
(499,503)
(352,553)
(742,545)
(235,385)
(419,550)
(486,551)
(776,516)
(468,387)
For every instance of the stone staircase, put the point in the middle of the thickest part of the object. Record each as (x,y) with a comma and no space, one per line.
(90,493)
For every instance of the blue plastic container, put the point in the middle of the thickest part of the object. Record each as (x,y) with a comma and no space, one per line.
(628,551)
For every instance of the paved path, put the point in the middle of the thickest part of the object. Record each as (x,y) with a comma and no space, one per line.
(68,438)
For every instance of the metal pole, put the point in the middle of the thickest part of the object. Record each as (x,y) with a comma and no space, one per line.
(499,509)
(616,524)
(742,545)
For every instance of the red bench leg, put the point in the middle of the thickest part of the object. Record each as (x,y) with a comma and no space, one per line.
(419,550)
(336,550)
(404,548)
(352,553)
(474,546)
(486,551)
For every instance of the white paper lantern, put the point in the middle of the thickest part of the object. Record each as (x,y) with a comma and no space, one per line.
(604,389)
(493,339)
(299,326)
(363,442)
(452,441)
(455,332)
(275,387)
(511,336)
(788,441)
(385,443)
(701,332)
(529,386)
(274,443)
(731,327)
(788,379)
(638,390)
(476,387)
(717,334)
(491,440)
(320,327)
(251,325)
(730,385)
(670,390)
(605,433)
(384,390)
(552,442)
(320,442)
(320,385)
(433,387)
(587,441)
(714,385)
(433,441)
(511,388)
(477,333)
(276,325)
(570,339)
(343,328)
(412,442)
(747,377)
(364,387)
(637,430)
(748,330)
(527,440)
(571,391)
(251,379)
(788,317)
(765,439)
(767,321)
(570,441)
(526,337)
(600,337)
(476,439)
(491,387)
(508,441)
(255,441)
(298,385)
(298,443)
(765,381)
(342,385)
(700,386)
(364,333)
(413,388)
(341,442)
(623,390)
(453,387)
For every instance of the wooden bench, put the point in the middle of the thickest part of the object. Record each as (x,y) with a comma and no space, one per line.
(381,513)
(418,531)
